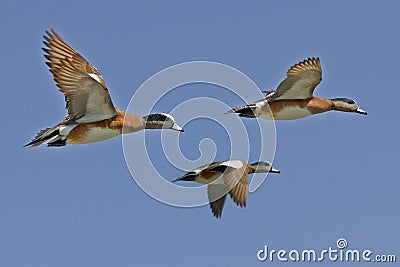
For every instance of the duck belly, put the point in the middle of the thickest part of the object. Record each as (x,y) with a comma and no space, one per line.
(292,113)
(85,135)
(288,113)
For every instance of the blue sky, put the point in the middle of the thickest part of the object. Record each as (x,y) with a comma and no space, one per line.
(79,206)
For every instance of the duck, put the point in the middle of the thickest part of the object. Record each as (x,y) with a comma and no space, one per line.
(92,116)
(293,99)
(223,177)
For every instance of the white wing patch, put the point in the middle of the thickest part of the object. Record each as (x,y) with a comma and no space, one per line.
(237,164)
(197,171)
(94,76)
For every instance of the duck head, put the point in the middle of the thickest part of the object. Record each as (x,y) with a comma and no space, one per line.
(161,121)
(263,166)
(346,105)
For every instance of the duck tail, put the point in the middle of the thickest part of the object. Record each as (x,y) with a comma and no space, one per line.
(49,136)
(247,111)
(190,176)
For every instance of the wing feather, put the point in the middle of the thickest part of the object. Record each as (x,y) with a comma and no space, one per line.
(301,81)
(86,94)
(216,205)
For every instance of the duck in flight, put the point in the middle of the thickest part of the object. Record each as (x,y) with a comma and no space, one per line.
(92,116)
(226,177)
(293,99)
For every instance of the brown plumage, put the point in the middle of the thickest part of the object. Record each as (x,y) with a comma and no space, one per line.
(293,99)
(92,116)
(226,177)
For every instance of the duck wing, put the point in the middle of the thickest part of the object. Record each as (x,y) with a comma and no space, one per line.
(86,94)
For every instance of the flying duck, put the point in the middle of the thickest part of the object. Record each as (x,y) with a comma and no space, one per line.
(92,116)
(293,99)
(225,177)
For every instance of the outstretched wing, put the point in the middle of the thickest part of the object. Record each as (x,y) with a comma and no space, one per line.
(238,187)
(85,92)
(234,181)
(217,204)
(301,81)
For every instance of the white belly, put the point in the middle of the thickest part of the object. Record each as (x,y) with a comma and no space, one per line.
(95,135)
(288,113)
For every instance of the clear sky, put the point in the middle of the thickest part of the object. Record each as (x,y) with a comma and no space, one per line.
(79,206)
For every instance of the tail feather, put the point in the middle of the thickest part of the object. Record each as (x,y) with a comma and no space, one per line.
(49,136)
(248,111)
(190,176)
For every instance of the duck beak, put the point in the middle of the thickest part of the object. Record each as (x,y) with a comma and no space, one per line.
(275,170)
(176,127)
(361,111)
